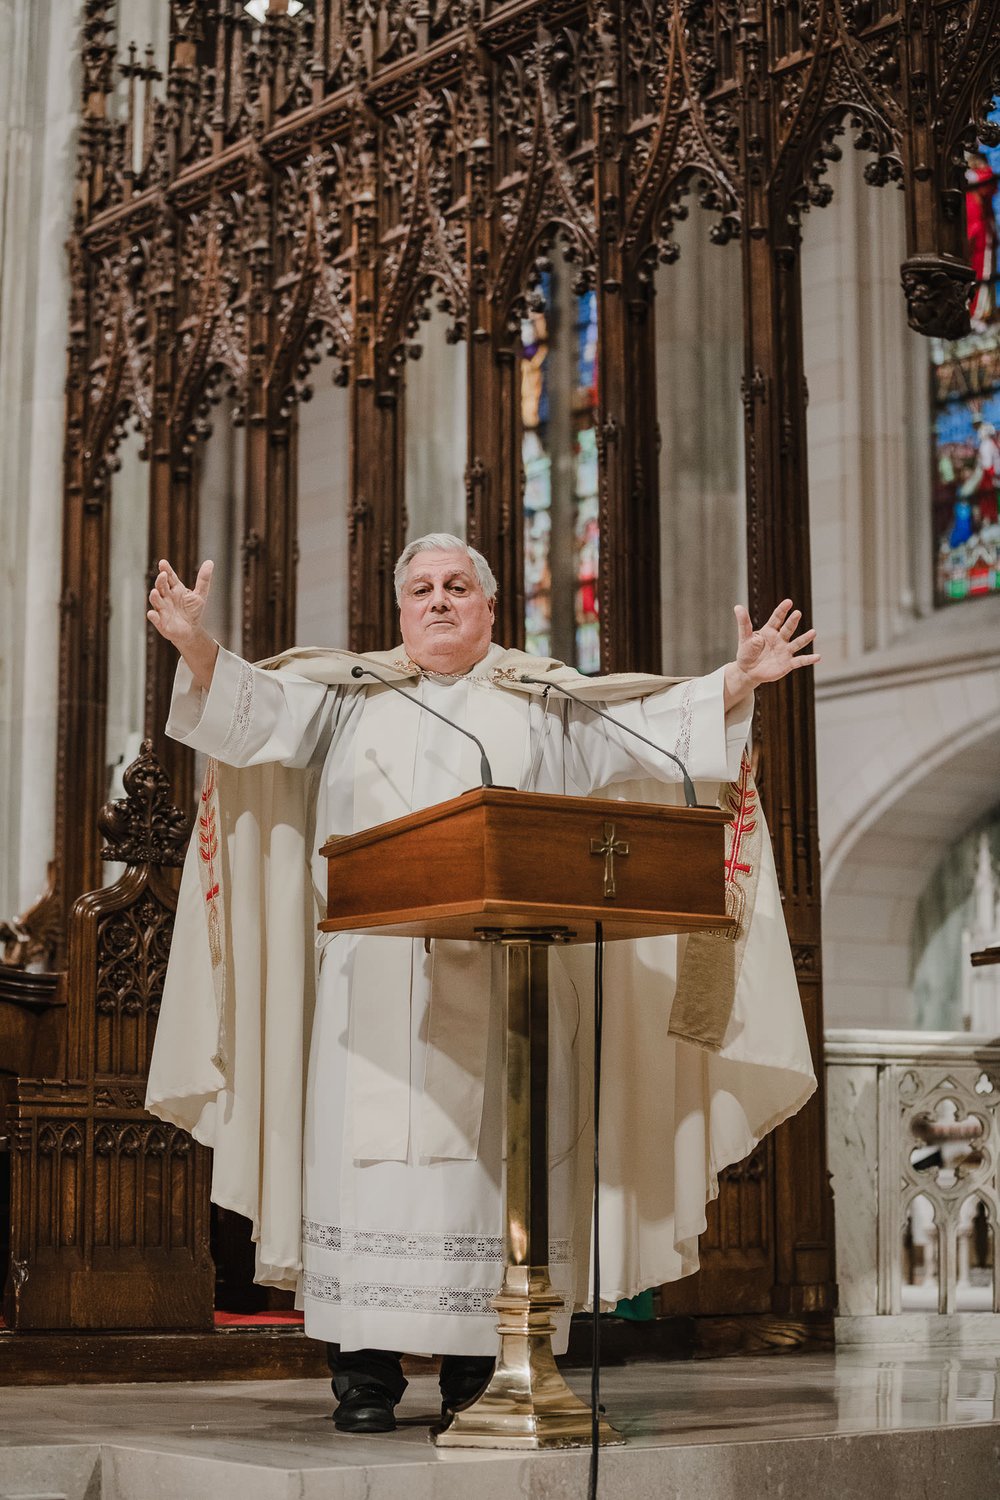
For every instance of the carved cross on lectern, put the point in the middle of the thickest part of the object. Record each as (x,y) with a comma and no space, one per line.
(609,847)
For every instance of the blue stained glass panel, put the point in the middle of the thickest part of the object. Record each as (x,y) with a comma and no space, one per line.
(561,528)
(586,345)
(966,407)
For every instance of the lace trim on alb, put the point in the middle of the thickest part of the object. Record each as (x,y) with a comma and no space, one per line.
(385,1298)
(239,724)
(387,1244)
(683,747)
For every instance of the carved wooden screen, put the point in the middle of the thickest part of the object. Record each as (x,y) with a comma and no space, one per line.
(311,182)
(109,1207)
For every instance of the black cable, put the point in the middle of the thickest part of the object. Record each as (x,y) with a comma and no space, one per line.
(595,1352)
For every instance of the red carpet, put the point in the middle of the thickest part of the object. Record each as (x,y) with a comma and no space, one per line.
(258,1320)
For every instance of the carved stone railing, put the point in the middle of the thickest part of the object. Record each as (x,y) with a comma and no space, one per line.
(914,1143)
(109,1207)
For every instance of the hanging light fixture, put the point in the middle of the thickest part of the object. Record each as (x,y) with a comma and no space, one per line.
(260,9)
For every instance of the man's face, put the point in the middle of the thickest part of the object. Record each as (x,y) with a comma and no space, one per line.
(446,619)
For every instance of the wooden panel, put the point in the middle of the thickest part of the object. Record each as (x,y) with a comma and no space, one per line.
(32,1023)
(109,1207)
(323,188)
(737,1248)
(251,1353)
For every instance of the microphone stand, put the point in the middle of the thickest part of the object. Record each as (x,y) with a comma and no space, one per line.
(485,773)
(690,796)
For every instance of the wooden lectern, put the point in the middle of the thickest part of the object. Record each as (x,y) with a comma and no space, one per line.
(527,870)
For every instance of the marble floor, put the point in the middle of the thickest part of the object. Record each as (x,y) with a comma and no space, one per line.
(859,1424)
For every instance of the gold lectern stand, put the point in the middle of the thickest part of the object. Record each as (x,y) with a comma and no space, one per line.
(528,870)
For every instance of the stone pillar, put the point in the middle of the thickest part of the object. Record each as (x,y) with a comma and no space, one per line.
(323,469)
(128,567)
(147,24)
(38,123)
(220,522)
(703,570)
(868,421)
(434,443)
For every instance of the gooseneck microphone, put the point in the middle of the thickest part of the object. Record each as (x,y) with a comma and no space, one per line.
(690,797)
(486,775)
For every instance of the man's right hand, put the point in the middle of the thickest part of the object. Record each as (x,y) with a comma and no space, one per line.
(176,612)
(175,609)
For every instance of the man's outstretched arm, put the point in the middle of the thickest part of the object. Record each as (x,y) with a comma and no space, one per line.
(705,720)
(767,654)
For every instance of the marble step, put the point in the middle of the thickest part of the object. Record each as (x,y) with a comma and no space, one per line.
(858,1425)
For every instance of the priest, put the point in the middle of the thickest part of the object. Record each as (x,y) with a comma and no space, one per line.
(351,1087)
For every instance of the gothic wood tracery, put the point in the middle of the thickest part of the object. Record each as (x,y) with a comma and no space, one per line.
(309,185)
(109,1207)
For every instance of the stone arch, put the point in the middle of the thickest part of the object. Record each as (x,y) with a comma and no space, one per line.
(898,786)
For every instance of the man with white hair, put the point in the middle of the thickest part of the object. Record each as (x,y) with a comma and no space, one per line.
(395,1243)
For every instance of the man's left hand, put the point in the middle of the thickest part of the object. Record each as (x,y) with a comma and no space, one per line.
(767,654)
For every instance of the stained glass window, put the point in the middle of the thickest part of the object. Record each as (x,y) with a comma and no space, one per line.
(559,454)
(966,401)
(537,460)
(586,503)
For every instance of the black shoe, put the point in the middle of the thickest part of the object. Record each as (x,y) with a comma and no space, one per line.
(365,1408)
(463,1378)
(453,1399)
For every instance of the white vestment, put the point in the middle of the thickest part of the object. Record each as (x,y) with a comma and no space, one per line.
(401,1208)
